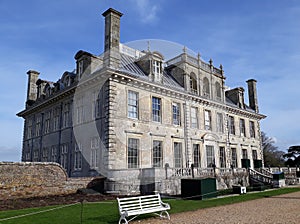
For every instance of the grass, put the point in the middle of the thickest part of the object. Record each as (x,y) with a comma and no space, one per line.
(107,212)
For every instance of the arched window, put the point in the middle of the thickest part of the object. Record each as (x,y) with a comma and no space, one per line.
(206,90)
(218,91)
(193,83)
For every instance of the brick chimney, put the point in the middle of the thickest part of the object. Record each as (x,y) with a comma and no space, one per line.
(252,93)
(32,87)
(112,38)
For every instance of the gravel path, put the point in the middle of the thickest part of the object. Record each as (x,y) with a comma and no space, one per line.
(278,209)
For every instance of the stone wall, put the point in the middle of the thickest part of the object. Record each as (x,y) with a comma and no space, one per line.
(30,179)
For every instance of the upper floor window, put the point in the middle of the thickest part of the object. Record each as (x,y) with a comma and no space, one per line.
(193,83)
(242,127)
(56,119)
(38,126)
(218,91)
(29,128)
(95,105)
(176,113)
(219,122)
(132,104)
(156,109)
(207,119)
(194,118)
(66,115)
(47,122)
(206,88)
(79,111)
(231,125)
(252,129)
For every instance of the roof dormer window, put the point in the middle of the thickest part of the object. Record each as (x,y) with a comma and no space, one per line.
(156,67)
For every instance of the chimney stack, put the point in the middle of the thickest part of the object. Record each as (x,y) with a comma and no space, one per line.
(32,87)
(112,38)
(252,93)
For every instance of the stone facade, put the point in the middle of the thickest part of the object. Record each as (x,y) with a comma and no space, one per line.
(139,120)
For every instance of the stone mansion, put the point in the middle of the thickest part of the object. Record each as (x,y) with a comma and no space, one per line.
(135,118)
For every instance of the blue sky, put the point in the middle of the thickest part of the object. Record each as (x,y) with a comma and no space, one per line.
(252,39)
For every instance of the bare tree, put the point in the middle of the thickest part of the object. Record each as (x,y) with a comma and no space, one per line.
(272,156)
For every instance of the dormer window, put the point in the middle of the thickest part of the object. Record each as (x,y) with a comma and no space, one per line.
(80,68)
(156,70)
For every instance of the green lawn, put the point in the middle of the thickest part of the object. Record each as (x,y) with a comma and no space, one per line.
(107,212)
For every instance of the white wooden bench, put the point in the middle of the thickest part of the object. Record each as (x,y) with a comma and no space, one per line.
(135,206)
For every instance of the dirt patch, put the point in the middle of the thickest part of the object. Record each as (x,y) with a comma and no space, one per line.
(21,203)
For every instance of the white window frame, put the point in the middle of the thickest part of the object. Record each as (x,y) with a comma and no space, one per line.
(132,104)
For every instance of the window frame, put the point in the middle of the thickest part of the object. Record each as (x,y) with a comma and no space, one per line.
(157,154)
(234,163)
(133,153)
(242,127)
(210,156)
(176,114)
(156,104)
(252,129)
(220,123)
(132,108)
(177,147)
(231,124)
(222,157)
(207,120)
(194,120)
(196,155)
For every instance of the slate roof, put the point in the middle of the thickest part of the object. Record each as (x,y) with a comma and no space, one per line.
(129,67)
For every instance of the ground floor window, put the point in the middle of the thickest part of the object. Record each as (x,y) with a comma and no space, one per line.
(210,158)
(157,154)
(233,158)
(64,156)
(133,153)
(222,157)
(196,153)
(178,154)
(244,153)
(78,157)
(254,154)
(53,156)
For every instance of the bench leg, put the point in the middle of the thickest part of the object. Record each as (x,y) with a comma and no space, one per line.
(164,214)
(124,219)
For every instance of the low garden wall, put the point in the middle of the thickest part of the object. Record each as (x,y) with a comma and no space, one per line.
(34,179)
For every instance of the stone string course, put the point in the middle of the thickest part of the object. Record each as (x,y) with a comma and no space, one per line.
(34,179)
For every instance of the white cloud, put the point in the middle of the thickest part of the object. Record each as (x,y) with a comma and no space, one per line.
(147,10)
